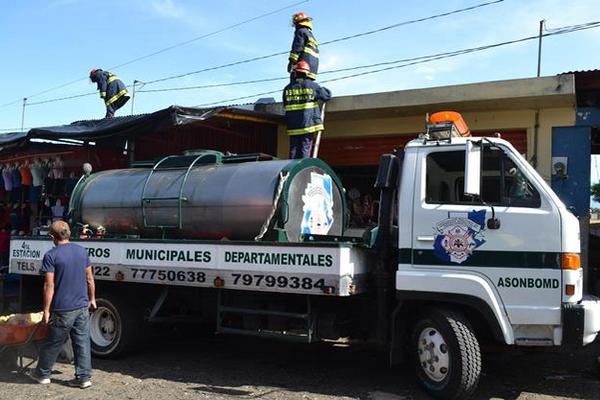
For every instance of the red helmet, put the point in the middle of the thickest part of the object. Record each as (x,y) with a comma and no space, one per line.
(300,17)
(302,67)
(93,73)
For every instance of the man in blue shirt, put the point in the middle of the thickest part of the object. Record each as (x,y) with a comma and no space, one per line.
(69,293)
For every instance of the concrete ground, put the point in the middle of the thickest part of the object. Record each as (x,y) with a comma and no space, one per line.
(219,367)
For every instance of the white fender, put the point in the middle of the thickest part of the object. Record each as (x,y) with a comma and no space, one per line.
(465,283)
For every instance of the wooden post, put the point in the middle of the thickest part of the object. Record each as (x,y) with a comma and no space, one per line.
(318,138)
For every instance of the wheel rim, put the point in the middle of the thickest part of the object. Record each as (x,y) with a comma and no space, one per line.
(434,358)
(104,327)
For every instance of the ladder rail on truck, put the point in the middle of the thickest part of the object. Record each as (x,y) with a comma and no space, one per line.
(450,266)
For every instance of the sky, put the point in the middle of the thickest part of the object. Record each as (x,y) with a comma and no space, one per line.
(50,45)
(47,43)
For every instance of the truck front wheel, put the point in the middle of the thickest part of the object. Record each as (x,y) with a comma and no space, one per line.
(114,326)
(446,354)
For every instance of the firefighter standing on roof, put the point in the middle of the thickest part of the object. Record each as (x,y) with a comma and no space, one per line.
(111,89)
(303,117)
(304,46)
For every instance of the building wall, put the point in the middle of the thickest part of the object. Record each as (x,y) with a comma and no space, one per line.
(477,120)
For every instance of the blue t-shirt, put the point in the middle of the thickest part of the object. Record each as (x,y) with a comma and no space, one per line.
(68,262)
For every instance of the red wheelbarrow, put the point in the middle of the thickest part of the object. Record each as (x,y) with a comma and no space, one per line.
(15,337)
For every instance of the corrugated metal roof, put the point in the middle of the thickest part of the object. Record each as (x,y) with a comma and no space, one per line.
(580,71)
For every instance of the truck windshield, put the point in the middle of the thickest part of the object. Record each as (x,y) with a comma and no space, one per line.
(503,183)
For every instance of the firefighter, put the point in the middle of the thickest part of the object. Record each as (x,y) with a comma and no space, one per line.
(302,113)
(112,90)
(304,46)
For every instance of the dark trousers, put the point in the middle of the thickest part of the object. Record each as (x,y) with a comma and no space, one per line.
(111,108)
(300,146)
(110,111)
(75,324)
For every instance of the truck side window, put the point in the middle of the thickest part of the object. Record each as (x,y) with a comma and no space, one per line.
(503,183)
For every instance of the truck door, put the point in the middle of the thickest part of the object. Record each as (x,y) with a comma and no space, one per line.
(520,259)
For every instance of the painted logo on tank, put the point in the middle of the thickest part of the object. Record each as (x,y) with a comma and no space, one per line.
(317,205)
(457,236)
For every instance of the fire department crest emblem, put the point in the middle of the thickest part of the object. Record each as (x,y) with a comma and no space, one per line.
(318,205)
(457,236)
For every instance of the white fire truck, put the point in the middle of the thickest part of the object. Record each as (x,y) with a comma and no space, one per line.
(471,247)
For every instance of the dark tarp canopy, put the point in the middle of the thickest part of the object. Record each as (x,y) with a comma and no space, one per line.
(128,125)
(12,139)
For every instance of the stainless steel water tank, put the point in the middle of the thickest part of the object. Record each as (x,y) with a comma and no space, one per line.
(218,200)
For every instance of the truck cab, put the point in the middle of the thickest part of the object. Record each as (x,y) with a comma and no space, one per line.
(483,240)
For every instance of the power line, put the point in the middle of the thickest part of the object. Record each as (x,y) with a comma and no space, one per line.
(210,34)
(410,61)
(213,85)
(361,34)
(61,98)
(425,59)
(247,82)
(11,103)
(413,21)
(164,50)
(396,25)
(406,62)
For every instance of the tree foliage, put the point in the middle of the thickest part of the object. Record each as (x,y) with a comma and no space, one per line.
(596,191)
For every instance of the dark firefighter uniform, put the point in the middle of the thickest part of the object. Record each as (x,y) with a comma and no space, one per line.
(302,114)
(112,90)
(305,47)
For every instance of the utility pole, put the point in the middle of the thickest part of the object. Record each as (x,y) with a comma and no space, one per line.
(539,63)
(23,114)
(135,82)
(536,124)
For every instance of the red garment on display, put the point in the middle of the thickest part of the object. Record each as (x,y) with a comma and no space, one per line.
(4,241)
(4,217)
(26,178)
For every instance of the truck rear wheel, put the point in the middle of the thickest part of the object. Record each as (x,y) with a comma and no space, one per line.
(114,327)
(446,354)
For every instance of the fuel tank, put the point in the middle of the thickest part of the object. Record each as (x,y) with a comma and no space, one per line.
(213,197)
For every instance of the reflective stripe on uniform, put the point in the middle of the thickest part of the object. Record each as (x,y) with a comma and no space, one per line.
(115,97)
(312,42)
(112,78)
(102,94)
(294,56)
(312,76)
(312,52)
(305,106)
(303,131)
(290,92)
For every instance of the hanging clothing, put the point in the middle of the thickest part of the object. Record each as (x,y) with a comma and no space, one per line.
(26,178)
(16,178)
(37,174)
(7,178)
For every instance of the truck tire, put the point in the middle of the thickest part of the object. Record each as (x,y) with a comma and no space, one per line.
(115,327)
(446,354)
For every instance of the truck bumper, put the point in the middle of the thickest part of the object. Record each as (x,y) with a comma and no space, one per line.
(581,322)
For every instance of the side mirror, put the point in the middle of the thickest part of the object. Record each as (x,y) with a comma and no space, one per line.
(473,169)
